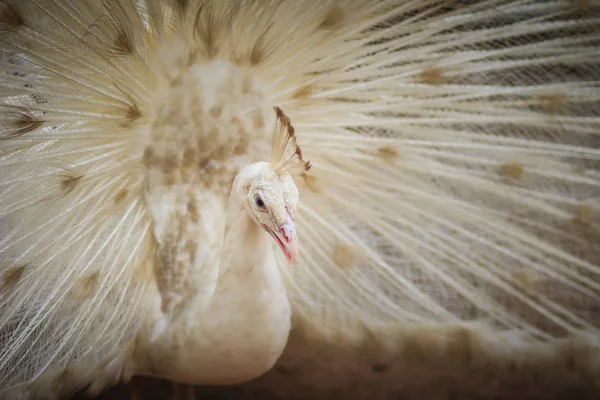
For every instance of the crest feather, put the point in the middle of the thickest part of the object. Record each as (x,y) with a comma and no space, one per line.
(286,155)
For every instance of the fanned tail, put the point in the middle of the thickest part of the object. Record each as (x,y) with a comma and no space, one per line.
(455,168)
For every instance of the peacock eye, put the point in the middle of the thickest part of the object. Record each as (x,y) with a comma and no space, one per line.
(259,202)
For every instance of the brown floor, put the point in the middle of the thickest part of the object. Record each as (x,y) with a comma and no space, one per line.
(309,373)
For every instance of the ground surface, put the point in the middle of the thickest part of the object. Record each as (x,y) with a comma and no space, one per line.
(316,372)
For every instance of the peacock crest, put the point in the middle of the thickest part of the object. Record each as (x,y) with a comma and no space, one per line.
(283,143)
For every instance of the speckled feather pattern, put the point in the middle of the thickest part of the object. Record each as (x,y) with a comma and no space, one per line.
(195,149)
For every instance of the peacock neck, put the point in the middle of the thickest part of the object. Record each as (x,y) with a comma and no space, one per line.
(246,325)
(238,331)
(247,252)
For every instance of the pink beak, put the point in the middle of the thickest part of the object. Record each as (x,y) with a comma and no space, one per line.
(286,239)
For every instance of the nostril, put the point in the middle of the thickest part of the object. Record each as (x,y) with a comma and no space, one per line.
(287,229)
(284,233)
(287,233)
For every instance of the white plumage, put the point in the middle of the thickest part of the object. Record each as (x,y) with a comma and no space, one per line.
(453,198)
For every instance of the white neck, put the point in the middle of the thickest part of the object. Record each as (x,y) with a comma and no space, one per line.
(238,332)
(248,320)
(247,249)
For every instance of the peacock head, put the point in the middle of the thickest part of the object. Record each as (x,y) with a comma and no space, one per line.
(271,196)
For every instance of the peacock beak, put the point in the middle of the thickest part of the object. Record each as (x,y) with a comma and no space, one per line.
(286,239)
(290,242)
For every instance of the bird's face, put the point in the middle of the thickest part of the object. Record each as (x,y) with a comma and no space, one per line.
(272,202)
